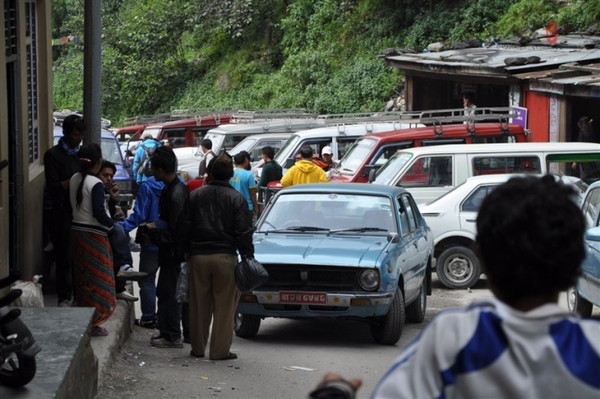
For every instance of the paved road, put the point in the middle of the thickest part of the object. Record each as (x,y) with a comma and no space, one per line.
(285,360)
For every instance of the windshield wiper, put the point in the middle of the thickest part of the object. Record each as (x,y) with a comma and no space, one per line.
(297,228)
(357,229)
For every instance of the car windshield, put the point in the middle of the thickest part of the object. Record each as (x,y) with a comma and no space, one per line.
(356,155)
(386,174)
(111,151)
(329,213)
(286,151)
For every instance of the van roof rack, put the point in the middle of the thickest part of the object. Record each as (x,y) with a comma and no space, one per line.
(360,117)
(249,116)
(174,115)
(471,115)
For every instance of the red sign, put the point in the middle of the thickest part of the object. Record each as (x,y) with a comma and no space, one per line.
(311,298)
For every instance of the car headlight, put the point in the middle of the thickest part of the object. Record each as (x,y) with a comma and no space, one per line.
(369,279)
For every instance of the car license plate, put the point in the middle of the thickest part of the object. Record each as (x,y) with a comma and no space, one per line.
(311,298)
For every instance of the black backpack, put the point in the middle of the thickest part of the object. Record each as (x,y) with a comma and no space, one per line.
(145,167)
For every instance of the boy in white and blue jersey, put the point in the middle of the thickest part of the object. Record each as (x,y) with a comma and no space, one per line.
(520,344)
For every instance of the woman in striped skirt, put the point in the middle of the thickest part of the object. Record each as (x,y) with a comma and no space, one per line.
(93,275)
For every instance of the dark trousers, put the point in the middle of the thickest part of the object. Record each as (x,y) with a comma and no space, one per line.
(148,264)
(121,253)
(60,235)
(169,310)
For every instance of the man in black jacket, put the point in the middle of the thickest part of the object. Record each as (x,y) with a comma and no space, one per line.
(221,226)
(60,163)
(169,233)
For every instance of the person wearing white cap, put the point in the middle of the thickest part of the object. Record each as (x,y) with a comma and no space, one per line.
(327,159)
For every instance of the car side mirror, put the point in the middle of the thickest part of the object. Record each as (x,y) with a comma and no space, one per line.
(370,171)
(393,237)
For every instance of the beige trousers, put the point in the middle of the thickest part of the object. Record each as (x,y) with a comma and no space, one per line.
(212,297)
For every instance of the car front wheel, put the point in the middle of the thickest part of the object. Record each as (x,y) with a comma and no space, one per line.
(246,325)
(577,304)
(386,330)
(458,267)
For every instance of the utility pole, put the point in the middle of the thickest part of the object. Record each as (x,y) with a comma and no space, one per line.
(92,70)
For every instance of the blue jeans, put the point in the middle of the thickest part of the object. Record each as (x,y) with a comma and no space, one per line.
(148,264)
(121,253)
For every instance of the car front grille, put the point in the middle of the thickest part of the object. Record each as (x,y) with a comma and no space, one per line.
(311,278)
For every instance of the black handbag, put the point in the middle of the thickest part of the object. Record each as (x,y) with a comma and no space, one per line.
(249,274)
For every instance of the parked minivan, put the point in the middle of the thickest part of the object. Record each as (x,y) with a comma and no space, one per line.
(373,150)
(186,132)
(338,137)
(225,137)
(429,172)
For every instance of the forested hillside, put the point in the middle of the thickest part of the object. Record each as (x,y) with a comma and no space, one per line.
(158,55)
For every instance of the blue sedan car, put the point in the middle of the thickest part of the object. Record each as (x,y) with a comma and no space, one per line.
(360,251)
(586,294)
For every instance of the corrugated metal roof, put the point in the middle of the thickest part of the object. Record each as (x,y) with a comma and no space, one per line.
(485,61)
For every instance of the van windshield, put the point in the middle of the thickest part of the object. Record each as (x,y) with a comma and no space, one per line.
(386,174)
(216,139)
(286,151)
(356,155)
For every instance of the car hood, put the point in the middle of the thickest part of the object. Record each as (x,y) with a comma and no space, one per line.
(319,249)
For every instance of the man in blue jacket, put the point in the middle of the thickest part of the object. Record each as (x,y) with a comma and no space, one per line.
(145,210)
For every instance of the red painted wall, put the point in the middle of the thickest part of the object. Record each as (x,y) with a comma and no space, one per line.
(538,113)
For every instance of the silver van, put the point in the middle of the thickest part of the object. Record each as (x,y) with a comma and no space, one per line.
(429,172)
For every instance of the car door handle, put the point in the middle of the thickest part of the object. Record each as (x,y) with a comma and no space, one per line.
(471,220)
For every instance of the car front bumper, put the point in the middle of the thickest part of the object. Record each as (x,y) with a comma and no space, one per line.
(314,304)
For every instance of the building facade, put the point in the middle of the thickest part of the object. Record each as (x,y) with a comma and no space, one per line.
(25,132)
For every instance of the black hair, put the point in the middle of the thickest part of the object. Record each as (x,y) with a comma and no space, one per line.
(107,164)
(206,143)
(165,159)
(89,155)
(220,167)
(240,157)
(306,152)
(73,122)
(530,237)
(268,151)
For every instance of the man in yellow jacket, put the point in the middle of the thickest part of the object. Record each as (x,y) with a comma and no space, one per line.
(304,171)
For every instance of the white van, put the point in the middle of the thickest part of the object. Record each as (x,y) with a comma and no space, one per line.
(339,138)
(429,172)
(225,137)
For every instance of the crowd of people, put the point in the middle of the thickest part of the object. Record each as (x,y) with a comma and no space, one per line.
(89,233)
(519,344)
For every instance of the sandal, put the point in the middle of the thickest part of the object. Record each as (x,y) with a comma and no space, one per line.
(98,332)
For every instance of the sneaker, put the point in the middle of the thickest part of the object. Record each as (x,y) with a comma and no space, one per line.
(126,296)
(156,337)
(165,343)
(131,274)
(150,323)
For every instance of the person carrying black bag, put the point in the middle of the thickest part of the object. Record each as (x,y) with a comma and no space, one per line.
(221,227)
